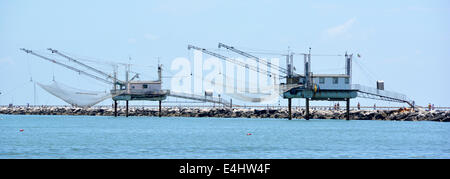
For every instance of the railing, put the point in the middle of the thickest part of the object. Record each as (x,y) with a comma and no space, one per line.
(198,97)
(158,92)
(381,94)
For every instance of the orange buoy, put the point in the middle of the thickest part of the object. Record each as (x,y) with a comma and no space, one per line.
(249,133)
(21,130)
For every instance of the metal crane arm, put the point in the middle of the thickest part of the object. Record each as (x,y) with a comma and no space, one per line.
(87,66)
(135,76)
(232,60)
(67,66)
(280,69)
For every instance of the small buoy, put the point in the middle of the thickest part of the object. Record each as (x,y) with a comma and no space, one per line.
(249,133)
(21,130)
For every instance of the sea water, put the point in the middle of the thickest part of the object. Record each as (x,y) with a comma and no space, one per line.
(30,136)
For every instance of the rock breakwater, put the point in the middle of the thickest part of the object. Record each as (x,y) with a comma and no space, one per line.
(392,115)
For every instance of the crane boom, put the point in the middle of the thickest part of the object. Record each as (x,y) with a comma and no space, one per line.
(232,60)
(259,60)
(67,66)
(135,76)
(87,66)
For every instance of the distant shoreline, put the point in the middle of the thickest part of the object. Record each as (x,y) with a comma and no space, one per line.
(392,115)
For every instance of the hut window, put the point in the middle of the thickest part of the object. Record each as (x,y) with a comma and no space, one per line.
(321,80)
(347,80)
(145,86)
(335,80)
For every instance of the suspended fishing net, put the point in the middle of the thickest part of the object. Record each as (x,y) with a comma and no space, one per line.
(74,96)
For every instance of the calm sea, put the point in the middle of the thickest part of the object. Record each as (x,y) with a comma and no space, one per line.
(152,137)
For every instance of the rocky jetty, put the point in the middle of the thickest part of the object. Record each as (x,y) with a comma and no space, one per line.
(392,115)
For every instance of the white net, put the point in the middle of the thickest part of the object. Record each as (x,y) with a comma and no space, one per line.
(74,96)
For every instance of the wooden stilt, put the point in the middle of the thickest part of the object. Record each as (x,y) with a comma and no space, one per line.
(159,109)
(289,108)
(348,108)
(126,110)
(307,109)
(115,108)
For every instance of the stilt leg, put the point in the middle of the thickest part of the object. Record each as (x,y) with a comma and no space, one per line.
(159,109)
(307,109)
(348,108)
(289,108)
(126,110)
(115,108)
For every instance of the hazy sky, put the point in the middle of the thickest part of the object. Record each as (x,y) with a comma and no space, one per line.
(404,43)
